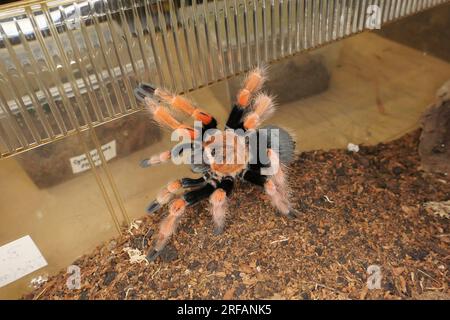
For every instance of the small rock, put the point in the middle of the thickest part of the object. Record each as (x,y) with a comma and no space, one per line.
(397,170)
(388,286)
(84,295)
(319,251)
(261,290)
(169,253)
(212,266)
(305,296)
(352,147)
(109,277)
(236,275)
(194,265)
(340,171)
(240,289)
(418,254)
(342,281)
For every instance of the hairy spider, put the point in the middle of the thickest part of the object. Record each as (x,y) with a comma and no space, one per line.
(242,151)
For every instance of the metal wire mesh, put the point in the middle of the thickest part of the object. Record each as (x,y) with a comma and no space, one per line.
(69,65)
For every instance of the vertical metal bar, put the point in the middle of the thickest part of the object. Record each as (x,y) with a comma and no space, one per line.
(140,39)
(207,38)
(174,27)
(219,42)
(10,85)
(33,63)
(25,82)
(247,35)
(84,74)
(12,120)
(280,26)
(153,42)
(256,30)
(98,74)
(162,26)
(323,21)
(297,24)
(227,38)
(349,17)
(289,25)
(343,18)
(188,44)
(362,17)
(72,115)
(103,50)
(330,20)
(272,29)
(83,107)
(126,37)
(264,30)
(200,52)
(308,24)
(115,41)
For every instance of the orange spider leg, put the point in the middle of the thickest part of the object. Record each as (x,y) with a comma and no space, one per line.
(184,105)
(164,196)
(263,109)
(277,187)
(254,81)
(156,159)
(218,209)
(163,117)
(168,227)
(277,198)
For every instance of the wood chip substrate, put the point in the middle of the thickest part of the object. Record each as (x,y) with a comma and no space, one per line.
(365,231)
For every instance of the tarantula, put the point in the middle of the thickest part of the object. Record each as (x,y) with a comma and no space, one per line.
(242,151)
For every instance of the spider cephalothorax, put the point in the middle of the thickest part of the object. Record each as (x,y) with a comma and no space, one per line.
(242,151)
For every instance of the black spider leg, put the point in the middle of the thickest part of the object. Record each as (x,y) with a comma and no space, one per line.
(227,185)
(193,183)
(191,198)
(211,125)
(236,118)
(195,196)
(255,177)
(144,90)
(253,172)
(186,183)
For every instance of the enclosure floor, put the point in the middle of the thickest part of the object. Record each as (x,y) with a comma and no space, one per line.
(378,91)
(355,210)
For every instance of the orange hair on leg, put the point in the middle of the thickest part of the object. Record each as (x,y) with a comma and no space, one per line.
(263,109)
(278,199)
(156,159)
(164,118)
(218,209)
(169,224)
(252,83)
(182,104)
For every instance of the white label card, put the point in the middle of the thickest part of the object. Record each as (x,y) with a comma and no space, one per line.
(19,258)
(80,163)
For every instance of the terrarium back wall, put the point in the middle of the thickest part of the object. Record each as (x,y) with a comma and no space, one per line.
(72,134)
